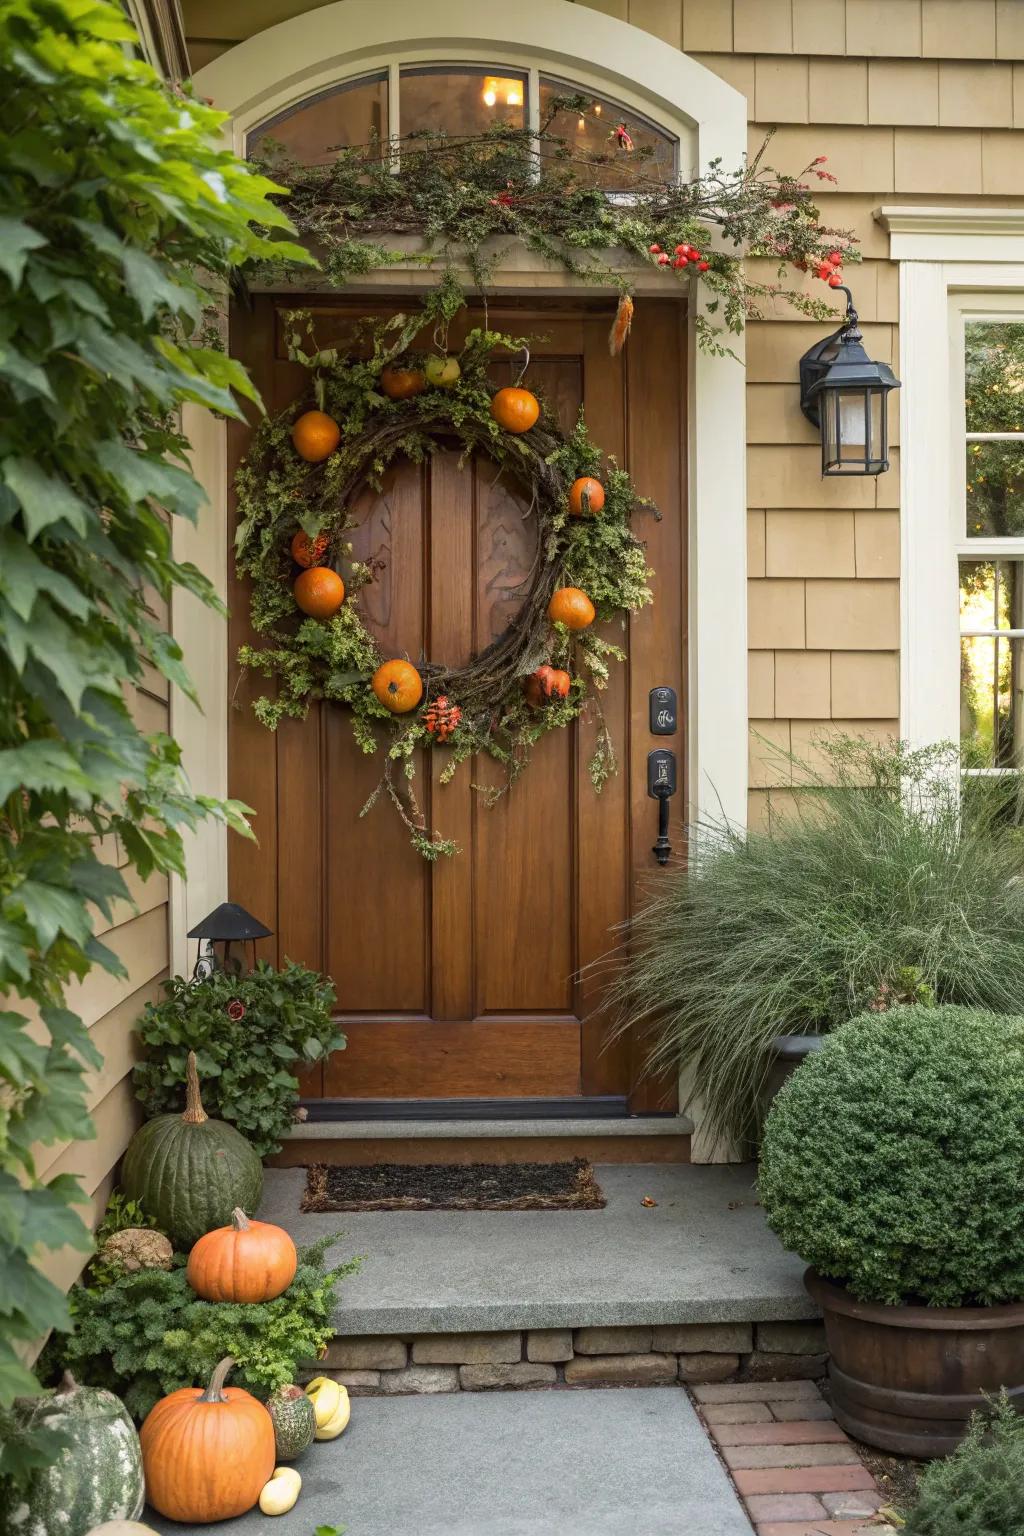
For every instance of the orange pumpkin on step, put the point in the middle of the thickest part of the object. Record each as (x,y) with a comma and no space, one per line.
(319,592)
(398,686)
(571,607)
(207,1454)
(400,383)
(306,551)
(315,436)
(586,497)
(250,1261)
(515,409)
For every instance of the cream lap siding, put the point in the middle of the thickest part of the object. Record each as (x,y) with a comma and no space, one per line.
(110,1007)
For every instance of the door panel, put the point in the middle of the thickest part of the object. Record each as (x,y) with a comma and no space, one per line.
(459,979)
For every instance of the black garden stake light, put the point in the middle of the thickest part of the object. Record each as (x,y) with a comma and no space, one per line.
(846,395)
(227,924)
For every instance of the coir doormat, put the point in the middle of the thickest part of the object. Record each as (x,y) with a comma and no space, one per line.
(568,1186)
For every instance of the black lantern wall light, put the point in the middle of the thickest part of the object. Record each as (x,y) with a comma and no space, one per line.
(846,396)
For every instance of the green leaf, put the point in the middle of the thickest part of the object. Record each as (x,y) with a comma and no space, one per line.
(44,499)
(30,1302)
(153,288)
(50,910)
(16,240)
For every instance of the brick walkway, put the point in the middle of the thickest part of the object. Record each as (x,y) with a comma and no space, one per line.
(795,1469)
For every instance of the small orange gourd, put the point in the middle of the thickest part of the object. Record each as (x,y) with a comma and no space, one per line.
(402,383)
(398,686)
(249,1261)
(207,1454)
(586,497)
(315,436)
(319,592)
(306,551)
(515,409)
(571,607)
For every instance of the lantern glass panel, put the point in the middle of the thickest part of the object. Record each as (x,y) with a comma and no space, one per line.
(853,437)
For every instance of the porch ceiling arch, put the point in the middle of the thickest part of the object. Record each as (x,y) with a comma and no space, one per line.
(281,66)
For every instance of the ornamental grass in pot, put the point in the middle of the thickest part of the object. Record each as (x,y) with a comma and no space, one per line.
(893,1162)
(884,879)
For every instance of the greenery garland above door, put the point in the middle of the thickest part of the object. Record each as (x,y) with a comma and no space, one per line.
(296,491)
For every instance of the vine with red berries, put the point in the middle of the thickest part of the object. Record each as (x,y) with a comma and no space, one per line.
(599,215)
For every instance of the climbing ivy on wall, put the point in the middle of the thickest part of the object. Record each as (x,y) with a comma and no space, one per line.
(114,198)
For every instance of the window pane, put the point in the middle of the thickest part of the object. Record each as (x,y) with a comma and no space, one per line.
(460,101)
(992,667)
(591,133)
(994,376)
(991,712)
(995,490)
(313,131)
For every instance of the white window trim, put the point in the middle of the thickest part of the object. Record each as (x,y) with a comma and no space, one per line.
(955,262)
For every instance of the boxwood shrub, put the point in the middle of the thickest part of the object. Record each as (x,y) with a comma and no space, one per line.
(893,1159)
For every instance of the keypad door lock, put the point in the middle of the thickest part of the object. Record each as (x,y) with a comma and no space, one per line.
(664,711)
(661,786)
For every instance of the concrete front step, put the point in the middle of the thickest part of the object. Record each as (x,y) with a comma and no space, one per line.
(633,1139)
(700,1252)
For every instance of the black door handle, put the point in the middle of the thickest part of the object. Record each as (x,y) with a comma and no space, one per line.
(661,786)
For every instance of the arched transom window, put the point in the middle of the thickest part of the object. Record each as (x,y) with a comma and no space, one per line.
(464,99)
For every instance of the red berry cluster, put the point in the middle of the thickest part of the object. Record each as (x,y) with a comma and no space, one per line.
(441,718)
(686,255)
(831,270)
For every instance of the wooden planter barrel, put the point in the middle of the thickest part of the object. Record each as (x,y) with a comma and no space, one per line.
(907,1379)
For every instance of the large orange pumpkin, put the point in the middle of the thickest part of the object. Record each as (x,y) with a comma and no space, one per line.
(571,607)
(306,551)
(319,592)
(402,383)
(515,409)
(250,1261)
(207,1455)
(586,497)
(315,436)
(398,686)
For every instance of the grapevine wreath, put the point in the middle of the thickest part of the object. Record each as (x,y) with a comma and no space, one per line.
(305,471)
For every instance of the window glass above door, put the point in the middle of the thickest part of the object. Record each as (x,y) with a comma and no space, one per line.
(314,131)
(460,101)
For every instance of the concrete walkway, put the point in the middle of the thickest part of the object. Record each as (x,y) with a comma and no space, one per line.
(702,1254)
(569,1463)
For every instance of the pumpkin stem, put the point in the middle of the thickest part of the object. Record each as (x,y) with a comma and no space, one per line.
(215,1391)
(194,1114)
(67,1383)
(239,1220)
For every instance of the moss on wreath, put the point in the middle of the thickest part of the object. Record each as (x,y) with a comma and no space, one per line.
(310,659)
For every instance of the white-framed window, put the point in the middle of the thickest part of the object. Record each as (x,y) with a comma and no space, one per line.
(961,446)
(987,504)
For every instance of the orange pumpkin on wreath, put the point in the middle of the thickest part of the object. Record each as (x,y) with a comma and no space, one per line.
(398,686)
(315,436)
(571,607)
(586,497)
(319,592)
(515,409)
(400,383)
(306,551)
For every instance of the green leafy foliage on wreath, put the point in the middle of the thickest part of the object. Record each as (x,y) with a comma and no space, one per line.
(467,195)
(246,1031)
(118,209)
(334,659)
(147,1333)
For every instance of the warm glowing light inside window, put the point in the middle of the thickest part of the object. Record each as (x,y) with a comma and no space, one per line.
(497,88)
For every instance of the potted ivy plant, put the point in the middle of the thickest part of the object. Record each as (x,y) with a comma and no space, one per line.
(893,1162)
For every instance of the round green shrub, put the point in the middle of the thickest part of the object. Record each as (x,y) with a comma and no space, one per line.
(893,1159)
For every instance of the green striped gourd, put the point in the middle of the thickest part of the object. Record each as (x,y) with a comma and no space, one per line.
(97,1477)
(189,1171)
(294,1421)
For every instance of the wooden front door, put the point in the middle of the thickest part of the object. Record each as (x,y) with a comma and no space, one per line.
(459,979)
